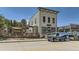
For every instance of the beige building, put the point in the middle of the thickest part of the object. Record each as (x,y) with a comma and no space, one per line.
(45,20)
(69,28)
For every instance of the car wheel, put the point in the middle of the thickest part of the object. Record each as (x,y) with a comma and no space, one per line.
(60,40)
(53,40)
(64,40)
(48,40)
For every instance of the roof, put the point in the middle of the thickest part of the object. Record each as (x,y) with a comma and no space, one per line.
(32,26)
(16,27)
(41,8)
(74,24)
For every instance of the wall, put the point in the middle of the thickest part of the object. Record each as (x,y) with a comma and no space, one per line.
(39,20)
(35,17)
(47,14)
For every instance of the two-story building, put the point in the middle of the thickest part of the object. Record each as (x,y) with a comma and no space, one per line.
(45,20)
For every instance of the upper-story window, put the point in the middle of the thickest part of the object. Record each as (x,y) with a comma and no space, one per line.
(44,19)
(35,20)
(48,19)
(31,22)
(53,20)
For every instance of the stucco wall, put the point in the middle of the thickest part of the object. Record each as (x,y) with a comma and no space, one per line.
(47,14)
(39,20)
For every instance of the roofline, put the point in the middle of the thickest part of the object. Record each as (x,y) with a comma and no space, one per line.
(68,25)
(33,15)
(39,8)
(74,24)
(44,9)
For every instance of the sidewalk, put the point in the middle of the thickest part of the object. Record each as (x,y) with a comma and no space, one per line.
(10,40)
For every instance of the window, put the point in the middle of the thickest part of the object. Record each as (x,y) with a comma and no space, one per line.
(48,19)
(49,29)
(32,23)
(53,20)
(44,30)
(44,19)
(53,29)
(48,24)
(35,20)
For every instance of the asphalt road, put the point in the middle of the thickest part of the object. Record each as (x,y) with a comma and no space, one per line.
(40,46)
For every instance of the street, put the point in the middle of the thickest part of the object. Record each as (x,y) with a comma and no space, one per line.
(40,46)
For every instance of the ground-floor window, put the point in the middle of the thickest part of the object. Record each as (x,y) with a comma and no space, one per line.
(44,30)
(48,30)
(53,29)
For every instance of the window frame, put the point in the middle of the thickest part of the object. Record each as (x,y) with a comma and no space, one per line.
(35,20)
(44,19)
(49,20)
(53,20)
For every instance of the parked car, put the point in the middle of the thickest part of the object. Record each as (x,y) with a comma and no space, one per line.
(77,36)
(71,36)
(57,36)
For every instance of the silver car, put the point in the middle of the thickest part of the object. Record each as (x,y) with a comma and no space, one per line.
(71,35)
(77,36)
(57,36)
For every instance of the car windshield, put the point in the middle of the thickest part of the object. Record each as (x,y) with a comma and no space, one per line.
(62,33)
(71,35)
(58,33)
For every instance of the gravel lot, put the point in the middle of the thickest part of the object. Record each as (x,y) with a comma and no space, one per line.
(40,46)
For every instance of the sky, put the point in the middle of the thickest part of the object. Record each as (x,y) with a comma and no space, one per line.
(66,15)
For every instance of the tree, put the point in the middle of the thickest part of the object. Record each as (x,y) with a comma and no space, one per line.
(23,21)
(11,23)
(4,22)
(2,19)
(8,23)
(14,23)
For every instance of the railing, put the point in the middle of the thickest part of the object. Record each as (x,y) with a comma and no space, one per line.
(27,35)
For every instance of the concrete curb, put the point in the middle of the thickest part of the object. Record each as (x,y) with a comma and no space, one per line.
(21,41)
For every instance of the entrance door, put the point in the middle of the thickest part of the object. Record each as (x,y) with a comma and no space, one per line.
(48,29)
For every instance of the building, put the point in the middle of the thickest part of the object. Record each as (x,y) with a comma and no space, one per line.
(45,20)
(32,29)
(32,32)
(69,28)
(16,32)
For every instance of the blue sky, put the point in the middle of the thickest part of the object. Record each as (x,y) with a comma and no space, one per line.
(66,16)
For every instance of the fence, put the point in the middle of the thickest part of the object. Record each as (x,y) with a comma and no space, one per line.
(27,35)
